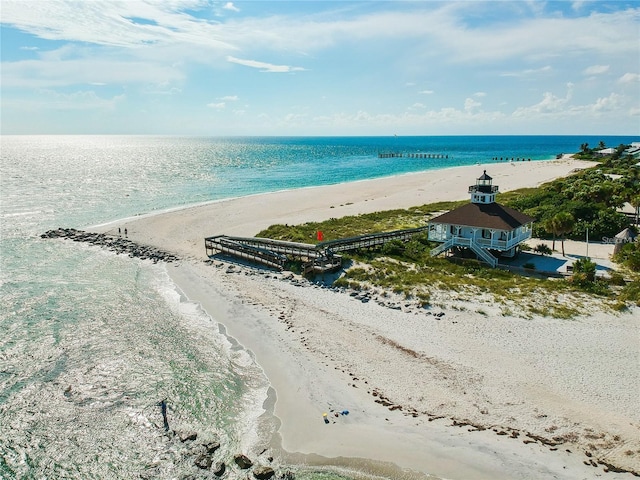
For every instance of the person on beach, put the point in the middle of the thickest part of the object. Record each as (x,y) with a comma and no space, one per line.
(163,409)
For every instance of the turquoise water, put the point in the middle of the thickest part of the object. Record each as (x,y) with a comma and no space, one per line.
(92,341)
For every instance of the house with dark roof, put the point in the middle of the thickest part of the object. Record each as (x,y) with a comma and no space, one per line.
(483,226)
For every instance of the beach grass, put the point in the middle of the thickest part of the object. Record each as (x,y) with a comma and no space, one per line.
(407,269)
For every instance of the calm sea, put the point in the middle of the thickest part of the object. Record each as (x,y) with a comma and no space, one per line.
(91,342)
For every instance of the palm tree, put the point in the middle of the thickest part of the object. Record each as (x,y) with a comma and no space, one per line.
(601,145)
(564,222)
(559,225)
(550,227)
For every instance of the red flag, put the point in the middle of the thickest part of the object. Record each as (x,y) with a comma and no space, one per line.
(320,236)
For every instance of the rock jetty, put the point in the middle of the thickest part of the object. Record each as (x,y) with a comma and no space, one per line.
(117,244)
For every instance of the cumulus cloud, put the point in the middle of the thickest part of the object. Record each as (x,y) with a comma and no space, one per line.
(470,104)
(610,103)
(231,6)
(230,98)
(550,103)
(426,92)
(629,78)
(596,70)
(217,106)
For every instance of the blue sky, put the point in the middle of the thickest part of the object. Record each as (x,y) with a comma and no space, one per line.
(198,67)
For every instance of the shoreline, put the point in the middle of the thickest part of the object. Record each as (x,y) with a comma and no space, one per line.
(322,350)
(207,203)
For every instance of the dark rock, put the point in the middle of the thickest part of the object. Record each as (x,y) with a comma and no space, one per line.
(203,461)
(243,461)
(263,473)
(211,446)
(187,436)
(219,469)
(115,244)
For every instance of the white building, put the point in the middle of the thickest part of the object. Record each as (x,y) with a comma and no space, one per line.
(482,226)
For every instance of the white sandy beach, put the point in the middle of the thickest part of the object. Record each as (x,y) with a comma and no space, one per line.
(521,385)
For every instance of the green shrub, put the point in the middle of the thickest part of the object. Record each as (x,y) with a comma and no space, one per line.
(617,279)
(585,268)
(542,249)
(394,248)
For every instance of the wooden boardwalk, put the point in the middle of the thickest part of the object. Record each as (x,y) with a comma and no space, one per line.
(318,258)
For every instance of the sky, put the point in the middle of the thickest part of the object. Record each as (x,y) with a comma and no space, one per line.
(290,68)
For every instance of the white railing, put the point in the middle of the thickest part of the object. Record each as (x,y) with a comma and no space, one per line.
(483,254)
(444,247)
(466,242)
(503,245)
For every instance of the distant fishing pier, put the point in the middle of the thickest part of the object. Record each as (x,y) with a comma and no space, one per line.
(411,155)
(317,258)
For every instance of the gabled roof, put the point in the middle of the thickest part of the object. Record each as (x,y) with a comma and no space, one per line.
(489,215)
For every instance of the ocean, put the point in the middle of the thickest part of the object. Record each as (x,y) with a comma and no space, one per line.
(91,342)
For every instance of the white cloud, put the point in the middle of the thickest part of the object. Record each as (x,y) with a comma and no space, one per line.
(439,25)
(114,24)
(470,104)
(57,73)
(417,121)
(528,72)
(629,78)
(549,104)
(449,46)
(79,100)
(606,104)
(161,89)
(264,67)
(596,70)
(231,6)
